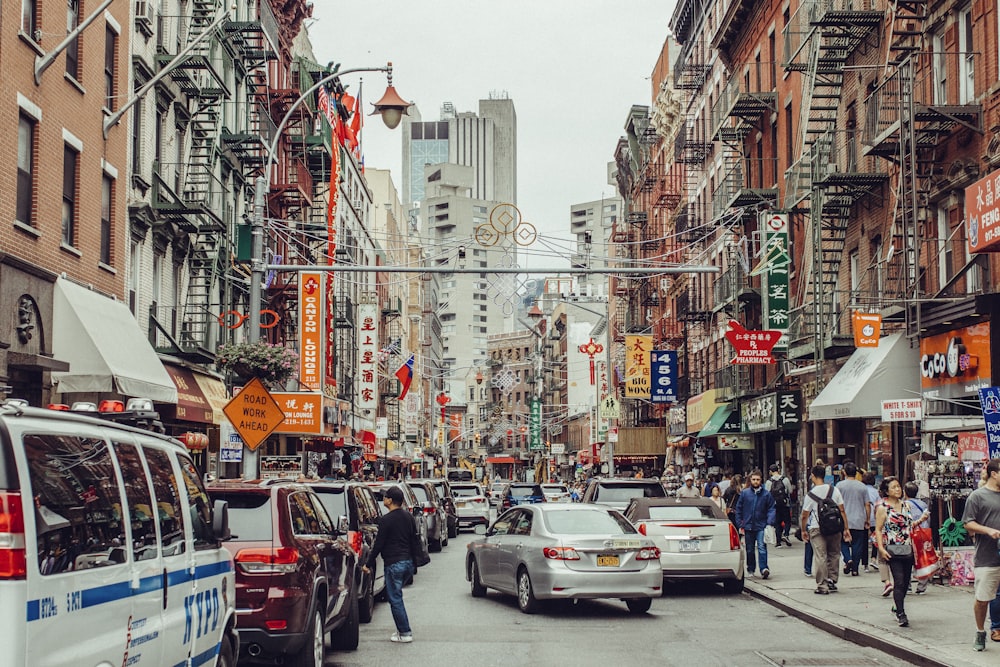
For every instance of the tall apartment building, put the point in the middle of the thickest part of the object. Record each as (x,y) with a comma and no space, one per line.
(591,224)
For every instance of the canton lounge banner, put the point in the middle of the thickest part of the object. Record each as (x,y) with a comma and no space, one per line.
(310,330)
(663,368)
(774,268)
(637,371)
(367,397)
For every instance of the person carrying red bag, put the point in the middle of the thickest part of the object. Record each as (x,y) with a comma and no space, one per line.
(925,558)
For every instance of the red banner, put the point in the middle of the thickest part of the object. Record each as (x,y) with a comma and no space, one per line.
(752,347)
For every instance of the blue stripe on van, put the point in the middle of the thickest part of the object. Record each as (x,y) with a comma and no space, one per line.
(92,597)
(205,657)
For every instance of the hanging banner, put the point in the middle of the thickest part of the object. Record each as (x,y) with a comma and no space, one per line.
(989,399)
(637,371)
(956,363)
(535,444)
(663,369)
(774,268)
(982,214)
(310,330)
(367,395)
(752,347)
(867,329)
(303,412)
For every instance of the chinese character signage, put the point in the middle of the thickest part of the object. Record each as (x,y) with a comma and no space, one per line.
(310,330)
(781,411)
(536,425)
(956,364)
(303,412)
(902,410)
(752,347)
(774,268)
(867,329)
(982,214)
(989,399)
(367,379)
(637,371)
(789,410)
(663,368)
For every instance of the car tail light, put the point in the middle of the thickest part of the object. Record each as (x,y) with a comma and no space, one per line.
(430,510)
(560,553)
(642,529)
(281,560)
(648,553)
(734,538)
(354,539)
(13,562)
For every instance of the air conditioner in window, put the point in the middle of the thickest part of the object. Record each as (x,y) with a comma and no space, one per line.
(144,11)
(358,204)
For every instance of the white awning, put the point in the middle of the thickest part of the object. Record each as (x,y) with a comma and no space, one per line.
(871,375)
(104,346)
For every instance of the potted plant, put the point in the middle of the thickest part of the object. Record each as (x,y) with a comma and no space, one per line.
(272,364)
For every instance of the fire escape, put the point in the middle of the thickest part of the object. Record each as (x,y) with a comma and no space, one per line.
(924,97)
(831,171)
(392,321)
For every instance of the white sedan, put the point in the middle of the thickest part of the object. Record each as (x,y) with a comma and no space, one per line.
(471,504)
(556,493)
(565,551)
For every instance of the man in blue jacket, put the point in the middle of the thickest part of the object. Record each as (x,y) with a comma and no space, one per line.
(754,512)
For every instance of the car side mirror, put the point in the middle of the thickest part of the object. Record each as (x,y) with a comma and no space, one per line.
(480,529)
(220,521)
(343,524)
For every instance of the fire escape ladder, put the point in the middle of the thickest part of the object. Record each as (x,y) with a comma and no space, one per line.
(202,292)
(908,19)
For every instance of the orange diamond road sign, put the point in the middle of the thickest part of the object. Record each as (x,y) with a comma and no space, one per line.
(254,413)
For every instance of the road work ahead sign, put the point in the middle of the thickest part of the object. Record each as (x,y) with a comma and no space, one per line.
(254,413)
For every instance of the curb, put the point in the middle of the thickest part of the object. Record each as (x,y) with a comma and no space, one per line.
(852,635)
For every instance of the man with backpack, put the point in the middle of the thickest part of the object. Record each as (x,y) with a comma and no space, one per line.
(781,490)
(825,522)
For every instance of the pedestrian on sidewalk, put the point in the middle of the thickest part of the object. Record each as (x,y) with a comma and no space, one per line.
(857,507)
(893,523)
(731,495)
(754,512)
(717,499)
(819,511)
(917,508)
(871,550)
(781,490)
(397,543)
(982,520)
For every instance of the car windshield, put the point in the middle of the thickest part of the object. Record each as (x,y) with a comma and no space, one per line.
(676,512)
(525,490)
(334,502)
(466,491)
(588,522)
(610,493)
(249,516)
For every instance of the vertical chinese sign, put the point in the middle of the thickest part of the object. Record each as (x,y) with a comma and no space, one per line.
(310,330)
(637,349)
(367,396)
(663,367)
(535,443)
(774,268)
(329,109)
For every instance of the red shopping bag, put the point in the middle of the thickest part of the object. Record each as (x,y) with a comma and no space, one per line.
(925,557)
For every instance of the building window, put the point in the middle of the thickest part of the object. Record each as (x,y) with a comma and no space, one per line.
(107,215)
(73,50)
(25,169)
(137,138)
(29,19)
(110,51)
(70,169)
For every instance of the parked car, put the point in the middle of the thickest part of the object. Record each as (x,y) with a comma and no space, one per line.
(617,493)
(434,514)
(520,493)
(556,493)
(355,513)
(295,574)
(444,491)
(71,567)
(471,504)
(411,505)
(495,491)
(565,551)
(696,539)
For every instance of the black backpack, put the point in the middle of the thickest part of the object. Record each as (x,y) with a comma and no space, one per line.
(828,514)
(779,491)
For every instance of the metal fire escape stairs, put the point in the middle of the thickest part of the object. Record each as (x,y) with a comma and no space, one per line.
(819,40)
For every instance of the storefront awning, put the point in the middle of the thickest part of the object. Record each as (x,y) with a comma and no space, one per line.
(217,396)
(501,459)
(722,421)
(871,375)
(192,405)
(104,346)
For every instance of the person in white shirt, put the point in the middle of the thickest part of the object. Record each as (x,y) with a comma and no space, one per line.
(689,490)
(825,543)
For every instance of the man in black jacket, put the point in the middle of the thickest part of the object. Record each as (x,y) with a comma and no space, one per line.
(397,535)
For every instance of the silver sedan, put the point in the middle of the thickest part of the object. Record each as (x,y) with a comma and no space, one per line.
(563,551)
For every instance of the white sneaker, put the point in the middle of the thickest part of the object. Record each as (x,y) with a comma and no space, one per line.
(401,639)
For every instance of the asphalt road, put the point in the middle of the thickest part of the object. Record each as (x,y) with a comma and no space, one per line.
(693,625)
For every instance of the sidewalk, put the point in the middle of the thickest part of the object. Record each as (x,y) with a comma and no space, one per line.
(941,629)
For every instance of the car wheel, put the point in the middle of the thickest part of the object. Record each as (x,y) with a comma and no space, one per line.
(639,605)
(733,586)
(227,656)
(366,608)
(453,531)
(434,545)
(347,636)
(444,538)
(478,589)
(313,651)
(526,601)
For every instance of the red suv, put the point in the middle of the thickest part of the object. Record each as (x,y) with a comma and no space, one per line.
(294,573)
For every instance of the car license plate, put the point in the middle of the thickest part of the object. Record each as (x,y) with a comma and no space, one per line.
(607,561)
(459,503)
(690,545)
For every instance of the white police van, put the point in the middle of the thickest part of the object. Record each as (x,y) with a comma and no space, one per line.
(110,552)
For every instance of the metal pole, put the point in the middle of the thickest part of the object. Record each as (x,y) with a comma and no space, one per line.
(42,63)
(353,268)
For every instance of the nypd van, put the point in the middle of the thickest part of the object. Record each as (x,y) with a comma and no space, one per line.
(110,552)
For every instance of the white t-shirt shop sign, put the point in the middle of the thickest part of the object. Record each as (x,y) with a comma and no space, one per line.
(902,410)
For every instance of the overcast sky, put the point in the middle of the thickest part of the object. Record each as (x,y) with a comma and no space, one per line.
(572,68)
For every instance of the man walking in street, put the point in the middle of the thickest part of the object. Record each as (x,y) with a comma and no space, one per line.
(689,490)
(781,490)
(754,512)
(396,542)
(857,509)
(820,511)
(982,520)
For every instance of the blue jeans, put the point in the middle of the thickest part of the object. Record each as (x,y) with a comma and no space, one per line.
(756,537)
(995,612)
(395,575)
(853,551)
(808,562)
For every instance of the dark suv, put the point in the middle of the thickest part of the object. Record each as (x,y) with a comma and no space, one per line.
(295,575)
(443,487)
(355,513)
(618,493)
(411,505)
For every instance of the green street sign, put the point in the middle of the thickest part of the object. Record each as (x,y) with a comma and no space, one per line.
(535,425)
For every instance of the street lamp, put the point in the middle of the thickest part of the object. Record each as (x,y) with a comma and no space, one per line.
(391,107)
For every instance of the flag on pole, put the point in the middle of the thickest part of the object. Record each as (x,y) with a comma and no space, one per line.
(405,376)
